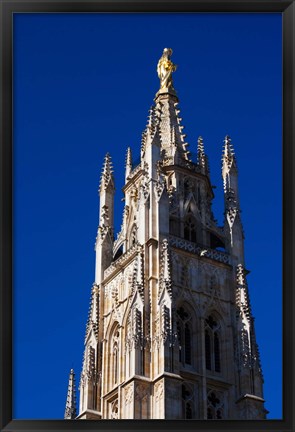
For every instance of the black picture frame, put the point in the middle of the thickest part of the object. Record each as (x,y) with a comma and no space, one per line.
(7,8)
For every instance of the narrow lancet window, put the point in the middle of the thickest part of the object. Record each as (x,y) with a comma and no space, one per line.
(184,332)
(212,344)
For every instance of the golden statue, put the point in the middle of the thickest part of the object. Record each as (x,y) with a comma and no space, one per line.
(165,68)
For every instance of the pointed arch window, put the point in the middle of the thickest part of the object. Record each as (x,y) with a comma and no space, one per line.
(190,227)
(212,344)
(214,406)
(187,402)
(208,349)
(184,334)
(114,357)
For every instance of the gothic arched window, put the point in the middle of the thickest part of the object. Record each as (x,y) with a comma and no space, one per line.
(187,401)
(208,349)
(214,406)
(184,333)
(212,344)
(190,229)
(114,356)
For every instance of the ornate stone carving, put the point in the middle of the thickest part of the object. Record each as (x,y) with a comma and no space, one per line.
(107,173)
(134,195)
(104,225)
(93,312)
(128,255)
(137,336)
(159,187)
(128,394)
(166,325)
(165,282)
(90,362)
(129,339)
(114,408)
(144,184)
(134,334)
(157,331)
(159,390)
(138,277)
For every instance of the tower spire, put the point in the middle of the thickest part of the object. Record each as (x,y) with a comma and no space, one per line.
(105,234)
(70,411)
(229,165)
(164,121)
(159,304)
(128,165)
(231,201)
(107,173)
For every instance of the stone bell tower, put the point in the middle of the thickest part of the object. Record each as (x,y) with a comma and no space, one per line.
(170,333)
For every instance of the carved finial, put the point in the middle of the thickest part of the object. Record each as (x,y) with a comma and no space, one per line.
(128,157)
(228,156)
(70,411)
(165,68)
(228,161)
(107,173)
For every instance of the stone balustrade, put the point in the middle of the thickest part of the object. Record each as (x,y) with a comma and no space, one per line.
(197,249)
(122,260)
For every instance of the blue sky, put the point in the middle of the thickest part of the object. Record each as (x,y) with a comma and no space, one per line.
(83,84)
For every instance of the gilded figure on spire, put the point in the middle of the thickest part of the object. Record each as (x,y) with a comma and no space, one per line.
(165,68)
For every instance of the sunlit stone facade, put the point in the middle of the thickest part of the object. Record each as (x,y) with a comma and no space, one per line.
(170,333)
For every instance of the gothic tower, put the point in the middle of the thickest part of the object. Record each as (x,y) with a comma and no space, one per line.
(170,333)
